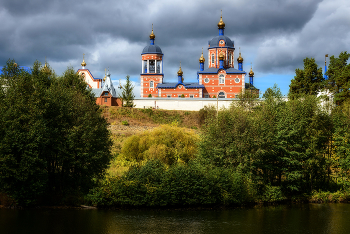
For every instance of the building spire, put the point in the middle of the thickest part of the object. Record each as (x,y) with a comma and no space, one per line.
(152,36)
(83,64)
(104,78)
(221,26)
(325,67)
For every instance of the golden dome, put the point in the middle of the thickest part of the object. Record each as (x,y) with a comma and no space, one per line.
(179,73)
(46,69)
(221,56)
(152,36)
(202,59)
(104,78)
(83,64)
(240,59)
(251,73)
(221,23)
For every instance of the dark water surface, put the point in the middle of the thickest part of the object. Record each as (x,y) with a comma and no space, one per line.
(308,218)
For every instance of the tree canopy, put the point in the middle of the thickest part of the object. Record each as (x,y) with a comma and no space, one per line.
(339,77)
(127,93)
(54,140)
(307,81)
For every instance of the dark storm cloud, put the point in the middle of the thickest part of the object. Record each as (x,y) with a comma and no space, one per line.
(275,35)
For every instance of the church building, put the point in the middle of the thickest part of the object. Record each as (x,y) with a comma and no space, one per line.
(103,89)
(220,79)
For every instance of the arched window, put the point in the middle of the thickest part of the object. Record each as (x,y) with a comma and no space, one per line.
(221,95)
(221,79)
(151,85)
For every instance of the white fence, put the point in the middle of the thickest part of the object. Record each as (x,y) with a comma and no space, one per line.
(190,104)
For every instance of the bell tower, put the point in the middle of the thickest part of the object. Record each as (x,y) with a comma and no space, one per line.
(151,68)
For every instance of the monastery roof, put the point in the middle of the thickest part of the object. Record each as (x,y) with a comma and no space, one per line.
(186,85)
(152,49)
(214,70)
(215,42)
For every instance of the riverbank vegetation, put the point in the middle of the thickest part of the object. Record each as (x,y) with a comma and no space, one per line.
(280,150)
(266,151)
(54,143)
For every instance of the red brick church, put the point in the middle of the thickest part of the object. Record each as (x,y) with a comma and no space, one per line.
(220,78)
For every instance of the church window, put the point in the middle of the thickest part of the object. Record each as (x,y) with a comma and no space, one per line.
(105,99)
(158,66)
(168,96)
(221,95)
(206,95)
(151,66)
(221,79)
(230,59)
(144,66)
(191,95)
(212,58)
(237,80)
(106,94)
(206,80)
(151,84)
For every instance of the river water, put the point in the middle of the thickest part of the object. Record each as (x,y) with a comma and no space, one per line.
(306,218)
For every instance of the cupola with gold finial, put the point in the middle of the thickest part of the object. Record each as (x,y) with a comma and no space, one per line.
(83,64)
(251,75)
(202,59)
(240,61)
(201,62)
(221,26)
(179,74)
(221,60)
(104,78)
(221,56)
(46,69)
(152,36)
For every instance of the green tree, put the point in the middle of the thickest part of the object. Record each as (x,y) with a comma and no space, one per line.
(54,140)
(339,77)
(127,93)
(307,81)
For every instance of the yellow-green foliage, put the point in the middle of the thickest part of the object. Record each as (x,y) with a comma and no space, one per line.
(169,144)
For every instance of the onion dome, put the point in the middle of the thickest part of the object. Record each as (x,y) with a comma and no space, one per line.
(179,73)
(152,36)
(83,64)
(221,24)
(221,56)
(104,78)
(46,69)
(240,59)
(251,73)
(202,59)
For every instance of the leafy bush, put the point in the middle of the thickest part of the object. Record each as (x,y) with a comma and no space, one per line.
(153,184)
(169,144)
(125,122)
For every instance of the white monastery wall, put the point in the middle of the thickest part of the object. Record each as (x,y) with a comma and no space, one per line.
(182,103)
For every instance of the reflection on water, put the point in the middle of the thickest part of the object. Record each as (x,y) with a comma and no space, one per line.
(308,218)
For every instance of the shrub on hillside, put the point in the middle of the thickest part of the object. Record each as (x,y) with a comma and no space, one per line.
(169,144)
